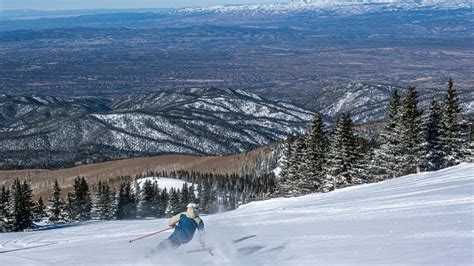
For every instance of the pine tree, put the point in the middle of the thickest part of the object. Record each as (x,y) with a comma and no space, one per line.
(386,158)
(97,201)
(147,199)
(297,166)
(39,210)
(113,202)
(184,197)
(213,204)
(455,139)
(314,178)
(433,134)
(205,196)
(22,206)
(5,214)
(126,203)
(192,194)
(173,204)
(470,145)
(56,206)
(285,163)
(343,152)
(164,198)
(103,207)
(79,201)
(107,211)
(411,133)
(156,201)
(120,203)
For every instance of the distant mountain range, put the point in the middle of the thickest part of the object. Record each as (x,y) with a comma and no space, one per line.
(53,132)
(336,6)
(49,132)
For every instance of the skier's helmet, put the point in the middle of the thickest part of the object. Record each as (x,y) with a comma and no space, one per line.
(192,205)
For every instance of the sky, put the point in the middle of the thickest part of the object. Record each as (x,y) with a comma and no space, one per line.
(113,4)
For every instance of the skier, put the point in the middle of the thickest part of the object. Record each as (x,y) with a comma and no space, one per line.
(185,225)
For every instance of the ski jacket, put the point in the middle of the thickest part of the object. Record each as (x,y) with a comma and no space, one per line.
(185,225)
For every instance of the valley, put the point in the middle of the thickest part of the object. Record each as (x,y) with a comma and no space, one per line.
(283,55)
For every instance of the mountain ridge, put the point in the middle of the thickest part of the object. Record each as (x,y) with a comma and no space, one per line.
(197,122)
(337,6)
(35,130)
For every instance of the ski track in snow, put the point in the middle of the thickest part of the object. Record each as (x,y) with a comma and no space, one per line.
(417,219)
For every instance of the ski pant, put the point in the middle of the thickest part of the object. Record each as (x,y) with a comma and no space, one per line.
(168,244)
(175,240)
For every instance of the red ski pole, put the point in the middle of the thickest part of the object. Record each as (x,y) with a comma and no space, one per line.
(133,240)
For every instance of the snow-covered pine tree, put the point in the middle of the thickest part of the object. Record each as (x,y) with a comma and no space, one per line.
(285,162)
(192,194)
(368,171)
(71,202)
(411,133)
(120,202)
(21,206)
(386,158)
(126,203)
(97,202)
(105,212)
(433,135)
(335,159)
(56,206)
(317,144)
(205,195)
(213,204)
(103,207)
(79,201)
(147,200)
(39,210)
(173,203)
(223,195)
(343,153)
(156,201)
(113,202)
(296,170)
(163,206)
(5,214)
(184,197)
(470,145)
(456,129)
(199,192)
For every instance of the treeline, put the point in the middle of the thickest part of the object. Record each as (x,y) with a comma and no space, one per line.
(411,142)
(211,192)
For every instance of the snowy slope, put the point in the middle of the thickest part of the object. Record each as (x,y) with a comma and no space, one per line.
(416,219)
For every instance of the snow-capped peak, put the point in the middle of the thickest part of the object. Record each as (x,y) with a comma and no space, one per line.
(334,5)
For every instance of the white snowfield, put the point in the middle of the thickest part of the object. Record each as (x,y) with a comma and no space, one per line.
(163,182)
(417,219)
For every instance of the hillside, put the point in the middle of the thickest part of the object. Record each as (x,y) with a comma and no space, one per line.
(63,131)
(253,162)
(417,219)
(367,103)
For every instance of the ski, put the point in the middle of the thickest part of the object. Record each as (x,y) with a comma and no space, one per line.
(208,249)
